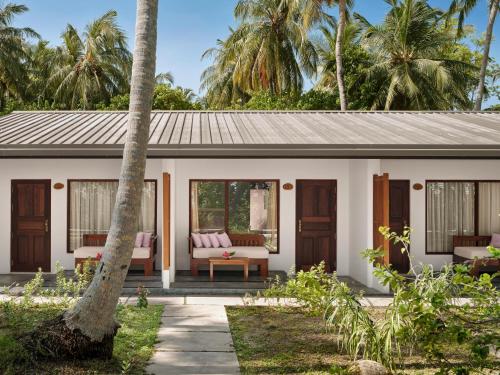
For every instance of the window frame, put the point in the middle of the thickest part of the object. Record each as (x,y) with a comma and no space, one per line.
(68,203)
(228,181)
(476,206)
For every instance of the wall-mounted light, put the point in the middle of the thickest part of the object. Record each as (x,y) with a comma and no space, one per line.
(58,186)
(287,186)
(418,186)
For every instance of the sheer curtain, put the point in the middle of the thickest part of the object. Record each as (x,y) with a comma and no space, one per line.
(272,214)
(450,211)
(489,208)
(91,207)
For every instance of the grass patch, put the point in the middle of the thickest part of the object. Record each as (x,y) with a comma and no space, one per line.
(133,344)
(270,340)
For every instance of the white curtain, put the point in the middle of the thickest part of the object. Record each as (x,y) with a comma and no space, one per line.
(489,208)
(91,207)
(450,212)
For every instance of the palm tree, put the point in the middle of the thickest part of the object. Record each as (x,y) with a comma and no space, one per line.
(269,51)
(13,56)
(410,69)
(217,79)
(272,47)
(92,67)
(164,78)
(356,61)
(312,11)
(42,59)
(463,8)
(87,330)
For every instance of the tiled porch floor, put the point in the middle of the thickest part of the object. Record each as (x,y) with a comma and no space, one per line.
(226,283)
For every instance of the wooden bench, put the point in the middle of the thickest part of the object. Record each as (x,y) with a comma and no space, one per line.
(236,240)
(480,265)
(98,240)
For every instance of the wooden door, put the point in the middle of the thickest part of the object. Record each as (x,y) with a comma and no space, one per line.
(30,228)
(399,217)
(316,224)
(381,213)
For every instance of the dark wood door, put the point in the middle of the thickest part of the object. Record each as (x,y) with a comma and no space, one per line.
(30,228)
(316,224)
(399,217)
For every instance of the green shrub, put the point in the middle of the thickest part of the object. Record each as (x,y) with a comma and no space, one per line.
(434,313)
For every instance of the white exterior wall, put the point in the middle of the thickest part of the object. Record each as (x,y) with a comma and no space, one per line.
(286,170)
(354,200)
(60,170)
(422,170)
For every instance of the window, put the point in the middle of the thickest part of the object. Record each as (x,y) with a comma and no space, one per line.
(90,207)
(460,208)
(236,207)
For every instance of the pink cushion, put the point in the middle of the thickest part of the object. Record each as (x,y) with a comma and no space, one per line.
(214,240)
(205,240)
(495,240)
(138,239)
(196,240)
(146,240)
(224,240)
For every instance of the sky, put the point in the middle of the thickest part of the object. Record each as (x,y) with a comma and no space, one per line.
(187,28)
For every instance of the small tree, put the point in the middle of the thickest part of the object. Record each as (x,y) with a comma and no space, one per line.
(87,330)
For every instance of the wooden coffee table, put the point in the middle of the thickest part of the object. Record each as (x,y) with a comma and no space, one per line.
(220,261)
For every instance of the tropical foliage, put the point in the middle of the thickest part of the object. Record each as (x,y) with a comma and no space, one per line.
(432,314)
(281,54)
(88,70)
(13,54)
(418,58)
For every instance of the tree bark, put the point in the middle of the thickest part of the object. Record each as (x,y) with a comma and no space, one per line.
(88,329)
(486,54)
(338,55)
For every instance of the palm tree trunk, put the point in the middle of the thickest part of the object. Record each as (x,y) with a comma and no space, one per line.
(88,329)
(338,55)
(486,55)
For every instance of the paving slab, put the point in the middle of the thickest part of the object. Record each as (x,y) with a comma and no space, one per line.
(195,341)
(201,323)
(194,310)
(184,363)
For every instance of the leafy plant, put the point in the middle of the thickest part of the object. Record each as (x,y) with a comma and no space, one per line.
(433,313)
(142,297)
(310,289)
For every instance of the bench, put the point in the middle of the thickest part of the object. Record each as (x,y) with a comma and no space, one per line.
(94,243)
(472,250)
(250,246)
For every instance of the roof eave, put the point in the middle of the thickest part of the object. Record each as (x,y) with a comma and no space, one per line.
(256,151)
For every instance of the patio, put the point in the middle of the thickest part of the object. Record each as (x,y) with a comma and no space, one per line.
(226,283)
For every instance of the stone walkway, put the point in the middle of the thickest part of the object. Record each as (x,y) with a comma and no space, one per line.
(194,339)
(194,336)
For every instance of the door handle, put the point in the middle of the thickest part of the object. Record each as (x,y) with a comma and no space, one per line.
(46,225)
(300,225)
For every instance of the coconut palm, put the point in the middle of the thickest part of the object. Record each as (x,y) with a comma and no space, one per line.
(13,55)
(313,12)
(93,66)
(164,78)
(87,329)
(410,68)
(217,79)
(463,8)
(42,59)
(356,59)
(272,47)
(268,51)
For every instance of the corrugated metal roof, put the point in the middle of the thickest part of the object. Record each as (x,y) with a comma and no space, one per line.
(256,134)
